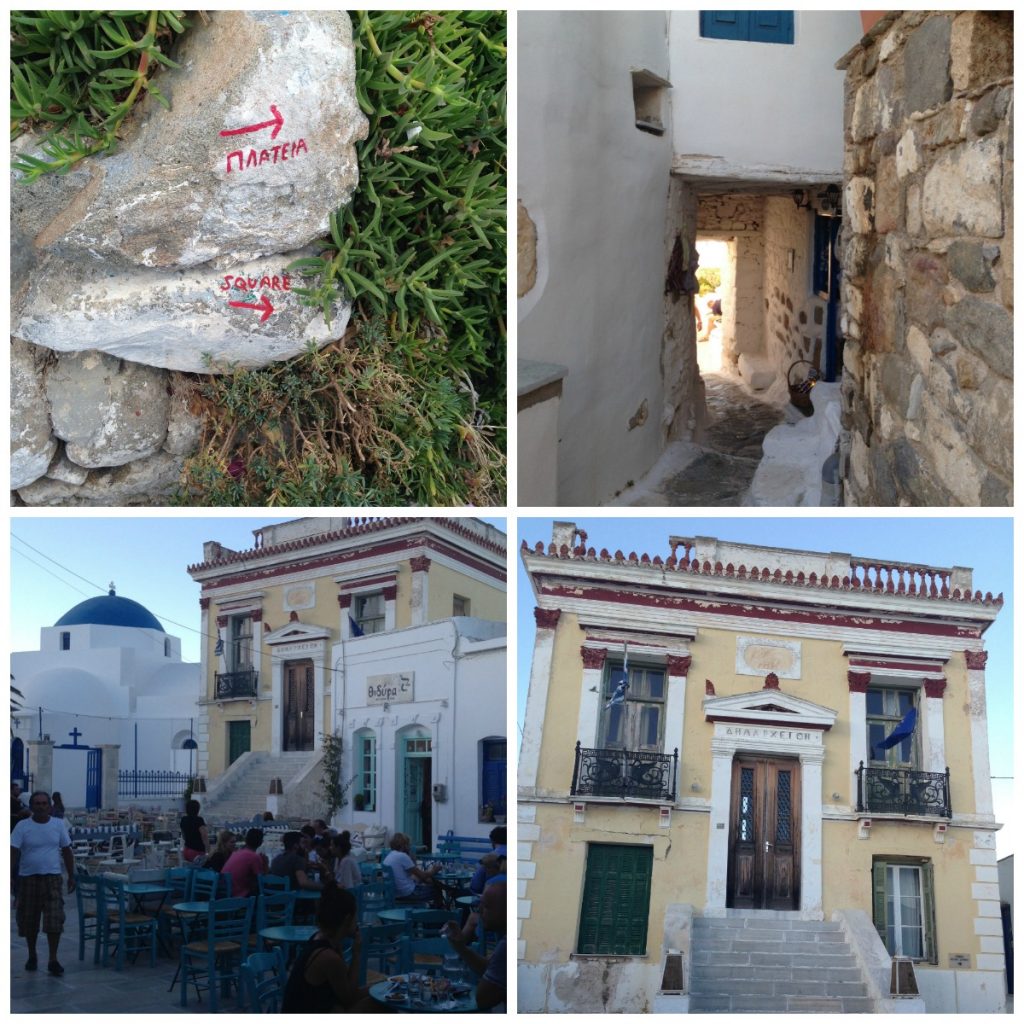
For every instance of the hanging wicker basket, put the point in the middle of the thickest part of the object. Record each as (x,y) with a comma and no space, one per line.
(800,392)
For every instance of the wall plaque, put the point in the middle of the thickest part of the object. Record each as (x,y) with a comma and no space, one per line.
(396,688)
(757,656)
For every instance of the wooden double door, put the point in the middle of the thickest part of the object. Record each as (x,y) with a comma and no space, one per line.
(764,854)
(299,717)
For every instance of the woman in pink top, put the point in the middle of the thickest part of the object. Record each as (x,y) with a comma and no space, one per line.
(246,865)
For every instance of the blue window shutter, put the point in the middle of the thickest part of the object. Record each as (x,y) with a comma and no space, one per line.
(771,26)
(748,26)
(725,24)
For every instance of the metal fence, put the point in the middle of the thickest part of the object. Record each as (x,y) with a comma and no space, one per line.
(142,784)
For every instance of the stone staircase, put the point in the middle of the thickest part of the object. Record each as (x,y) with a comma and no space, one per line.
(247,782)
(773,962)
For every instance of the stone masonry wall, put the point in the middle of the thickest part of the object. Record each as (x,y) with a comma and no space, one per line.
(927,261)
(740,217)
(794,325)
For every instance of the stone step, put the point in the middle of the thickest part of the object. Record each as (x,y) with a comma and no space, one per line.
(780,986)
(779,1004)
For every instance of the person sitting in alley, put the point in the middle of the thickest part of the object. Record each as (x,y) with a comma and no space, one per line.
(321,980)
(246,865)
(490,989)
(291,862)
(412,884)
(18,809)
(40,846)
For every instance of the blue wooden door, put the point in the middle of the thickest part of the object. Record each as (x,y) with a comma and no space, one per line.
(93,775)
(748,26)
(494,773)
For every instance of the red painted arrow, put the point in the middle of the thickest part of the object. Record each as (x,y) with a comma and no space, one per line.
(264,305)
(277,122)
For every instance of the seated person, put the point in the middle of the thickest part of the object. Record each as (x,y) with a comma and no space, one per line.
(499,848)
(292,863)
(321,981)
(221,852)
(411,883)
(346,868)
(495,868)
(246,865)
(490,989)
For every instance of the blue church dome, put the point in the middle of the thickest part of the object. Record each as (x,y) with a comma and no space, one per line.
(110,611)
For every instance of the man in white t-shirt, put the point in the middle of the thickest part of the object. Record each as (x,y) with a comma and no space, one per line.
(412,884)
(40,846)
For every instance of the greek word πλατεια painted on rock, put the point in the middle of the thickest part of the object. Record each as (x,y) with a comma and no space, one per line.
(257,158)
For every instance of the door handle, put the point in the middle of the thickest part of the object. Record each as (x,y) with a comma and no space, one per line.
(767,845)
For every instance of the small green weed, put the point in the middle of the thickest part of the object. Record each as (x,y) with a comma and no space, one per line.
(76,75)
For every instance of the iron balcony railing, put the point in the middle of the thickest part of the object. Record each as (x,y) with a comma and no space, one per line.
(624,773)
(236,684)
(903,791)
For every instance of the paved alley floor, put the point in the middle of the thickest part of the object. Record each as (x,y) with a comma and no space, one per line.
(719,470)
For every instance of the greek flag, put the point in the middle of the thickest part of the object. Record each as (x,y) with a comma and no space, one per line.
(355,627)
(619,696)
(219,649)
(902,731)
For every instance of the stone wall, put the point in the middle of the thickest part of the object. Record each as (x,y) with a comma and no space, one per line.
(927,261)
(739,217)
(794,317)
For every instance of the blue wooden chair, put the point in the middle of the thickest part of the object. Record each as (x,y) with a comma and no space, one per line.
(120,930)
(420,954)
(425,924)
(274,883)
(204,885)
(273,910)
(87,899)
(214,962)
(179,881)
(372,897)
(383,952)
(263,980)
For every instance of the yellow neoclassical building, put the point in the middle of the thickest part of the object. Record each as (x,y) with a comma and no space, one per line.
(792,790)
(388,632)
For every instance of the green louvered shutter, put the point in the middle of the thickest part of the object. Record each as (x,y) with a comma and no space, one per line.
(878,900)
(616,900)
(931,946)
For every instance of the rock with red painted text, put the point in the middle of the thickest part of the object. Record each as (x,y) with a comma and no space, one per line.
(255,153)
(204,319)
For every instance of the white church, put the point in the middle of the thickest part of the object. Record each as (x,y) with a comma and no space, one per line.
(106,691)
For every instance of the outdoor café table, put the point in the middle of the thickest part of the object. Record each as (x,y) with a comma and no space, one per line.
(464,1002)
(139,891)
(396,915)
(289,935)
(472,901)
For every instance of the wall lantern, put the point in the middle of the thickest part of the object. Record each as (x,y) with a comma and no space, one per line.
(829,199)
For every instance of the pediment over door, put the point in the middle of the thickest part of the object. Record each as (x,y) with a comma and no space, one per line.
(297,632)
(769,707)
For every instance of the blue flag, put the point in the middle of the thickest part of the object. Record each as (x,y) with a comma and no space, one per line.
(354,626)
(619,695)
(902,731)
(219,649)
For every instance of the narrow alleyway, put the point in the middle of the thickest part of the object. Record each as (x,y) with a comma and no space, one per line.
(734,464)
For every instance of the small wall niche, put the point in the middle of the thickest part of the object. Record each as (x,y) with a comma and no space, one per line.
(648,100)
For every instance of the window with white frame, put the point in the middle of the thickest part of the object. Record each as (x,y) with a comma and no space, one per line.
(904,907)
(638,723)
(460,605)
(887,706)
(368,612)
(65,641)
(240,643)
(366,770)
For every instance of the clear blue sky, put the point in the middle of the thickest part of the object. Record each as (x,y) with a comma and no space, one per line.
(146,557)
(983,544)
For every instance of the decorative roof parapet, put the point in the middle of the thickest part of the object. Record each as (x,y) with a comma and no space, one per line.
(876,576)
(360,526)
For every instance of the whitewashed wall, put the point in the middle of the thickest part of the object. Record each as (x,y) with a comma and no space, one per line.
(762,103)
(596,187)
